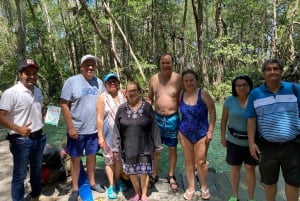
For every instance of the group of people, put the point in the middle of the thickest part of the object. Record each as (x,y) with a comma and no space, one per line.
(131,129)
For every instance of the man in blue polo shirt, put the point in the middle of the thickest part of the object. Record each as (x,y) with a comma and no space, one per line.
(273,111)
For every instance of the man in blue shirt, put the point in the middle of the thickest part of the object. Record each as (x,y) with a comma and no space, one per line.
(272,110)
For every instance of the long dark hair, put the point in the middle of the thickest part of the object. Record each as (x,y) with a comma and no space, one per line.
(241,77)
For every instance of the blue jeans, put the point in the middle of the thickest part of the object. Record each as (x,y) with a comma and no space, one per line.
(26,151)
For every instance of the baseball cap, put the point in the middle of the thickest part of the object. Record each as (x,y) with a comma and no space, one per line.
(109,76)
(88,56)
(24,63)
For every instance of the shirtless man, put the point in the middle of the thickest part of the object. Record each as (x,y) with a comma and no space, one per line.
(163,93)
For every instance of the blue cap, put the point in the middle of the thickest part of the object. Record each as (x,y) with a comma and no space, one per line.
(109,76)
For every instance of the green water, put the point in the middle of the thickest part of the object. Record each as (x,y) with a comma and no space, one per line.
(216,152)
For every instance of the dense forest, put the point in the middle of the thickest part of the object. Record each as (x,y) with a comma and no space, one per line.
(220,39)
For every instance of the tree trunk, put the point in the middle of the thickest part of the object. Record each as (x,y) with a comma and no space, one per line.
(21,50)
(69,44)
(292,31)
(182,61)
(294,60)
(125,40)
(274,52)
(105,40)
(49,31)
(112,33)
(198,15)
(220,59)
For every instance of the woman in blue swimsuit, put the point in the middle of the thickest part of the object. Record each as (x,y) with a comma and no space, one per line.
(195,131)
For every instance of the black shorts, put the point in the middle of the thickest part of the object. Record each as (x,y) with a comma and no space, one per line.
(280,155)
(237,155)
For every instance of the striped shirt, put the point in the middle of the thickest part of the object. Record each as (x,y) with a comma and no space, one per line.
(277,115)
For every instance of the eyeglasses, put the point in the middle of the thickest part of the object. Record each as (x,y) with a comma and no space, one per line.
(112,82)
(133,91)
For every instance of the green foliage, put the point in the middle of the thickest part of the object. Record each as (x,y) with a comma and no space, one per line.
(226,46)
(221,91)
(253,73)
(133,74)
(59,37)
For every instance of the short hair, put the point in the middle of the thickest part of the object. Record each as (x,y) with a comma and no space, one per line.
(241,77)
(272,61)
(136,84)
(189,71)
(165,54)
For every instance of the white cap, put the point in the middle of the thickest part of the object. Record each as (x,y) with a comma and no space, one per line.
(88,56)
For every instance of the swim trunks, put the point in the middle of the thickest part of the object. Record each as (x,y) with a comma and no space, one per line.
(168,126)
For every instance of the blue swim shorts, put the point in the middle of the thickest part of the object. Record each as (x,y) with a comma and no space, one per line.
(168,126)
(84,145)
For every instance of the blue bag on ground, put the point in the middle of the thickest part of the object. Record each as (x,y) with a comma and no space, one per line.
(84,188)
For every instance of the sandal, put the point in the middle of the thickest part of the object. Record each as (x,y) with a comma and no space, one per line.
(135,198)
(205,195)
(111,193)
(152,181)
(188,195)
(173,185)
(121,186)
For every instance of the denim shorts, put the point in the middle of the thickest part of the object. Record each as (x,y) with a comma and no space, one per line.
(280,155)
(84,145)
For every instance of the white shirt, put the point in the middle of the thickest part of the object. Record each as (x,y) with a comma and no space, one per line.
(23,106)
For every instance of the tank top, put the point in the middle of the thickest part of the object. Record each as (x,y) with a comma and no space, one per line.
(110,110)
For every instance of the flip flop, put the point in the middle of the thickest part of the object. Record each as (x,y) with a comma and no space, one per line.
(205,195)
(188,195)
